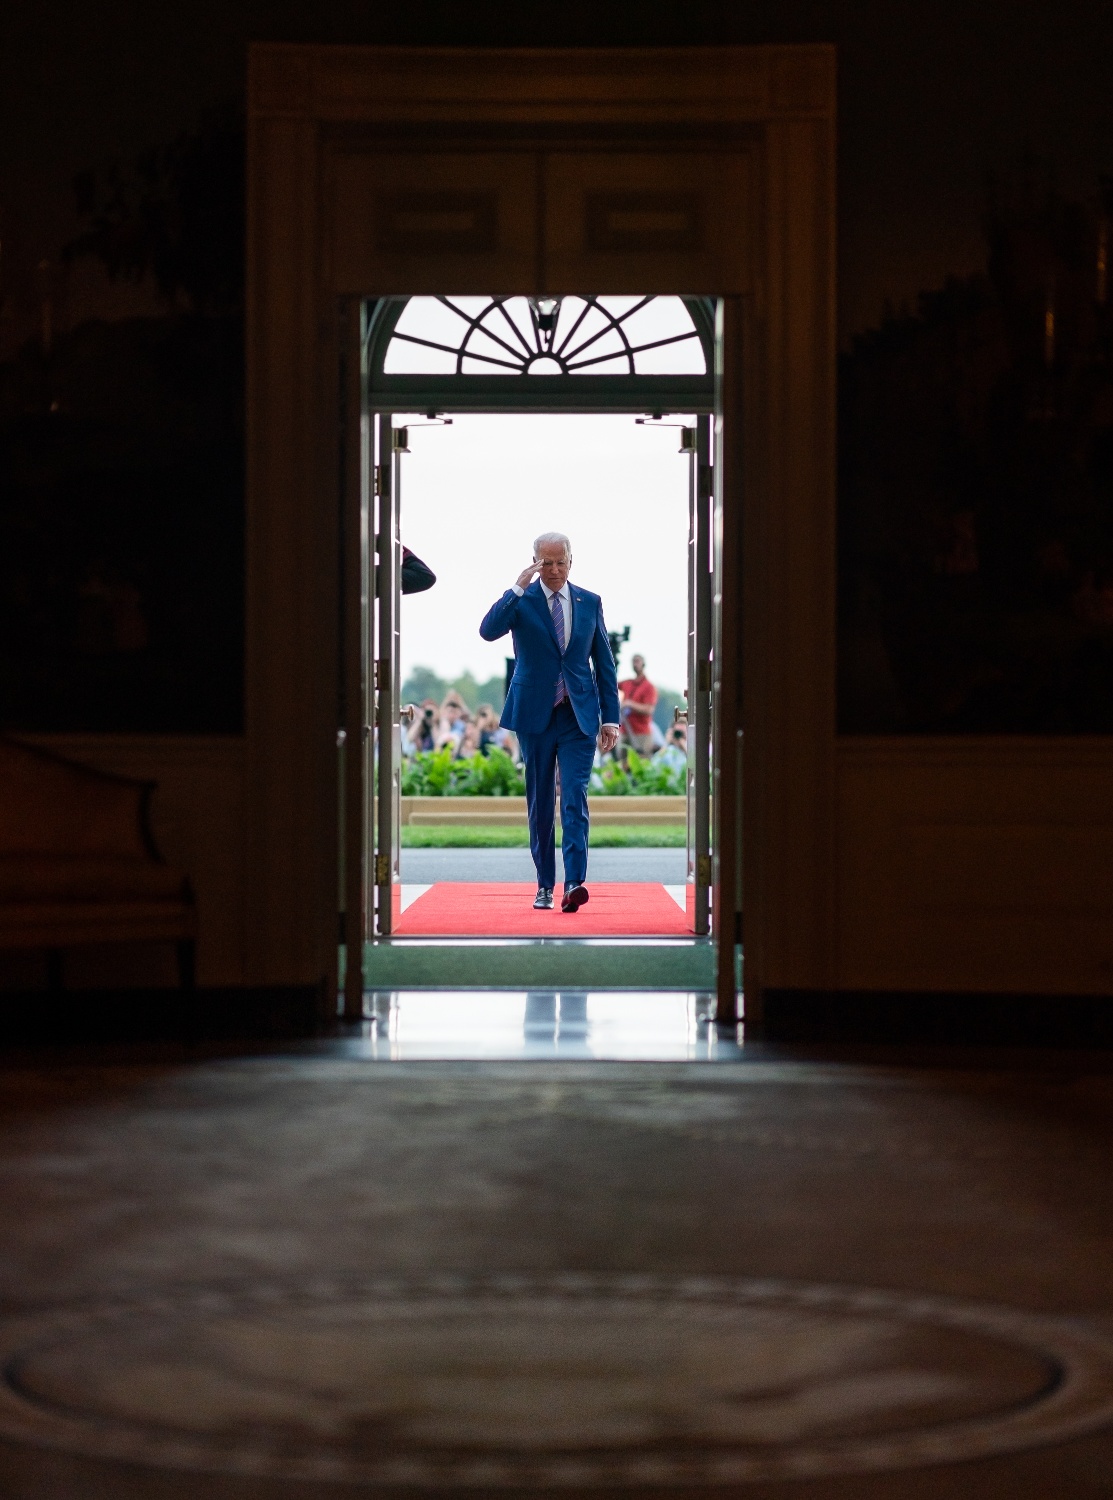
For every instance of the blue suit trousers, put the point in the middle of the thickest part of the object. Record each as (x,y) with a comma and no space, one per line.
(562,742)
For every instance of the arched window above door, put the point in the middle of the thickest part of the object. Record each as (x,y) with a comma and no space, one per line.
(545,336)
(574,353)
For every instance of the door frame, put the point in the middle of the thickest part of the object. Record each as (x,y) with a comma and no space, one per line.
(371,609)
(706,170)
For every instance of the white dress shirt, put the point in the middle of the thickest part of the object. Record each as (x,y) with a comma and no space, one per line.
(566,601)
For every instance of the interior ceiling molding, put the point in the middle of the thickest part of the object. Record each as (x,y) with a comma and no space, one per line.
(566,84)
(538,136)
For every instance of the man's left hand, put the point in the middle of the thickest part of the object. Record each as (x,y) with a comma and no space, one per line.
(608,738)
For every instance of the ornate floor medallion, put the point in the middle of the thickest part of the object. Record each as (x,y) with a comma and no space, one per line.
(573,1381)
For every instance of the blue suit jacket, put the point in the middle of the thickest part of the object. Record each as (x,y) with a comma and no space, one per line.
(538,662)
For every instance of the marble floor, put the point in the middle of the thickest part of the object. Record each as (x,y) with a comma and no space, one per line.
(565,1242)
(600,1026)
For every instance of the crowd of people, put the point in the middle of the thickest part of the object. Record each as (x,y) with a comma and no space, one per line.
(452,725)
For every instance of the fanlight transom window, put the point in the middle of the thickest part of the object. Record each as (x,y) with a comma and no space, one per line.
(545,336)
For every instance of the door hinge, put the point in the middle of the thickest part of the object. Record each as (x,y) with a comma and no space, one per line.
(382,674)
(703,869)
(378,479)
(703,677)
(703,481)
(382,869)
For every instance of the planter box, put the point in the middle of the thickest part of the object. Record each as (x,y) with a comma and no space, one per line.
(510,812)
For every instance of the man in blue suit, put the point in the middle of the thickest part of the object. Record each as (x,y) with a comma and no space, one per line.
(555,705)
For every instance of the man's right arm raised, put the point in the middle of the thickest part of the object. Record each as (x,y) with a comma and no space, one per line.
(501,615)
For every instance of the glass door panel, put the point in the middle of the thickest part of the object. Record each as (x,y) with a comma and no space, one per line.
(699,679)
(356,709)
(385,660)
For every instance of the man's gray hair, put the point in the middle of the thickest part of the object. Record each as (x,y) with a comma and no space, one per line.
(551,536)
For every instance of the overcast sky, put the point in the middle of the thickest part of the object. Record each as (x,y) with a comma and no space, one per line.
(930,96)
(474,495)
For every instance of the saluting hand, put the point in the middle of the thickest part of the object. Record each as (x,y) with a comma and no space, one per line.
(527,575)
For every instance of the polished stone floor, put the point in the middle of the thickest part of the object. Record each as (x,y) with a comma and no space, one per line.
(601,1026)
(562,1242)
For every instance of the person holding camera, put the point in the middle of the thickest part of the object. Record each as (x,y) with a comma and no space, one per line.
(638,697)
(674,752)
(422,733)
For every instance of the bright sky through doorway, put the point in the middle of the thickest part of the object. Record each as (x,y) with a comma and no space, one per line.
(474,495)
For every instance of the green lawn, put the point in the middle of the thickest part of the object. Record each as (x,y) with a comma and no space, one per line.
(672,836)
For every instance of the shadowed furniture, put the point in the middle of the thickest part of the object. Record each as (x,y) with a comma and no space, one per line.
(78,863)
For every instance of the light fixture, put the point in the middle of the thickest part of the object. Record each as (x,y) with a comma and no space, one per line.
(545,310)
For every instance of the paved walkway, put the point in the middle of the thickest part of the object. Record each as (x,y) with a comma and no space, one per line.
(427,866)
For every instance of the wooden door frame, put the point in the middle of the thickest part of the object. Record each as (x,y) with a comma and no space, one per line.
(322,122)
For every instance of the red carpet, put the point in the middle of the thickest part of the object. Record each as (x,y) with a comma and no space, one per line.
(504,910)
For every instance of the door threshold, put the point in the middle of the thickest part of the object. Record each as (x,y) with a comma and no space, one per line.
(633,963)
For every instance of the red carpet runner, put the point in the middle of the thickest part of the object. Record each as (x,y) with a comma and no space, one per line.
(459,909)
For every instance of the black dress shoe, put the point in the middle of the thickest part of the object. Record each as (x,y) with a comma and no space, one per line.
(574,897)
(543,901)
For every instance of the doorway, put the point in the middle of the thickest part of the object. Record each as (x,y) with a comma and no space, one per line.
(472,495)
(619,375)
(391,172)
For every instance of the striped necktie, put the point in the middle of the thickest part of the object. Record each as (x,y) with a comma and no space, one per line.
(558,625)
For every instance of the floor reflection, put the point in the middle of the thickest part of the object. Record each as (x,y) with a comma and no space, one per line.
(650,1026)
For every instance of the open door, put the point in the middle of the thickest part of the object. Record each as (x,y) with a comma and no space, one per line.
(354,737)
(385,686)
(370,739)
(698,442)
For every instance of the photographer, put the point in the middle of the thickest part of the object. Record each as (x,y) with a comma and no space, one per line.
(674,752)
(422,733)
(638,698)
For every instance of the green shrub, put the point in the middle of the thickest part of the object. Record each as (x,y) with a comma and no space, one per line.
(639,778)
(672,836)
(434,773)
(427,774)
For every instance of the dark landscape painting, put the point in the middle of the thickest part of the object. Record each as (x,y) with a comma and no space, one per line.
(122,468)
(976,489)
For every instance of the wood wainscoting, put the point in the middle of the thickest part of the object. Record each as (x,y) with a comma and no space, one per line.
(197,819)
(975,865)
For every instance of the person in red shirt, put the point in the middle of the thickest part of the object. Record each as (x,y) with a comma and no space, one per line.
(639,699)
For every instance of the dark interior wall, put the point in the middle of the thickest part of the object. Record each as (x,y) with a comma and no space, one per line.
(975,559)
(976,488)
(121,529)
(929,97)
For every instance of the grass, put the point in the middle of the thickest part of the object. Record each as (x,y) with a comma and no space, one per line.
(672,836)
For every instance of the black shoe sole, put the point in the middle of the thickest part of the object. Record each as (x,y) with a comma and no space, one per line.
(574,899)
